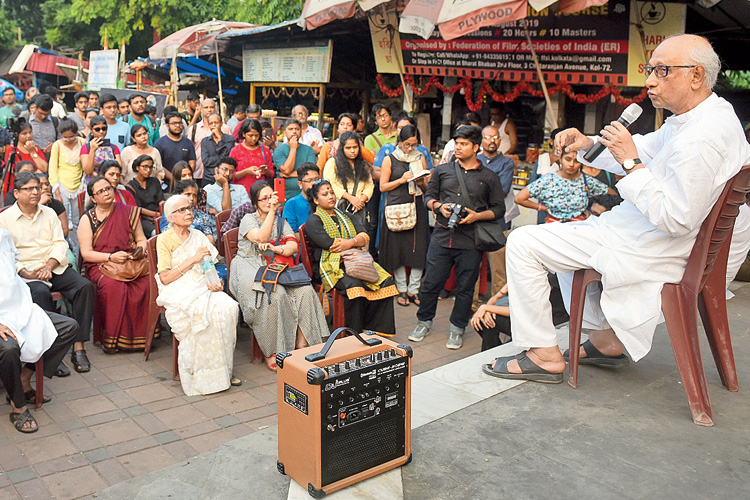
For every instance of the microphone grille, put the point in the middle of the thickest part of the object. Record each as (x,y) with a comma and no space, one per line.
(632,112)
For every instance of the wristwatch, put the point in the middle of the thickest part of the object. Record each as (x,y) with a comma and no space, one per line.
(628,165)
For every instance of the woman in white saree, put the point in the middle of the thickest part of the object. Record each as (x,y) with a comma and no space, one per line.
(202,317)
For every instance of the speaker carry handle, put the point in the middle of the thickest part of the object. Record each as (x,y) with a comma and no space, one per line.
(327,347)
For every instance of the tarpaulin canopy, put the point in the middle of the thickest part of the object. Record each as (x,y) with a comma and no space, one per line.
(316,13)
(459,18)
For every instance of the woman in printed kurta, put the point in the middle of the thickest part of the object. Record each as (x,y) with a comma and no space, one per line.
(288,317)
(563,195)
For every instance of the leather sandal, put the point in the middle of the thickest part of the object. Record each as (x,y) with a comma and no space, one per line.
(20,419)
(236,382)
(62,370)
(403,299)
(30,396)
(595,357)
(529,370)
(80,361)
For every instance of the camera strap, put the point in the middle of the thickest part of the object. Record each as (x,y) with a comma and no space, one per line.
(463,192)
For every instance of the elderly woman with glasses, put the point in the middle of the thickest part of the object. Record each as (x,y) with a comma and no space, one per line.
(288,317)
(113,248)
(98,149)
(202,317)
(146,191)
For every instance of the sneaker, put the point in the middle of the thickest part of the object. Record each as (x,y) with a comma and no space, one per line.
(455,338)
(421,331)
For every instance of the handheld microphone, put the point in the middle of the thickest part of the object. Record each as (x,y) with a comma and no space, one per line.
(627,117)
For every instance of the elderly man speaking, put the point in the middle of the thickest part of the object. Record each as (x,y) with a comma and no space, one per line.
(672,179)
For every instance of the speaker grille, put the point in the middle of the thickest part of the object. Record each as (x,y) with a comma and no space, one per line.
(350,451)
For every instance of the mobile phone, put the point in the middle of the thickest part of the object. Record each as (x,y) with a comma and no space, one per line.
(106,142)
(279,186)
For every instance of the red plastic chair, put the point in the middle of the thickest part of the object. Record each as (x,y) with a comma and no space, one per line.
(157,225)
(702,290)
(305,256)
(231,245)
(221,218)
(81,202)
(155,310)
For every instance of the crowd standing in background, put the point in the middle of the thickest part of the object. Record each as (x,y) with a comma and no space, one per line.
(383,225)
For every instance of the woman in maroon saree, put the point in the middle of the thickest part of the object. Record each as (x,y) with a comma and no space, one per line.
(113,248)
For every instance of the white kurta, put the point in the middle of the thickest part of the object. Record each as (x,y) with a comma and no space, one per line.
(645,241)
(32,327)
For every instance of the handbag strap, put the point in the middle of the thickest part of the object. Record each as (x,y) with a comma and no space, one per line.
(463,191)
(279,228)
(385,203)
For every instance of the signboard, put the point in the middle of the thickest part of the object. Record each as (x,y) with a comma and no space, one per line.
(386,42)
(589,47)
(659,20)
(104,68)
(309,64)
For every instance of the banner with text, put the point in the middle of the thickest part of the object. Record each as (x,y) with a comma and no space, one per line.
(659,20)
(588,47)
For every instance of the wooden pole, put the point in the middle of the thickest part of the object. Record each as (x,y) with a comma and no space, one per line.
(321,106)
(221,93)
(541,79)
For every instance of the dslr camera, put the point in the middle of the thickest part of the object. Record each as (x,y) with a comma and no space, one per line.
(15,124)
(458,212)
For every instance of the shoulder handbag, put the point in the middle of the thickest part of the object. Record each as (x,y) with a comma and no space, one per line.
(346,207)
(360,265)
(489,236)
(130,270)
(277,273)
(401,217)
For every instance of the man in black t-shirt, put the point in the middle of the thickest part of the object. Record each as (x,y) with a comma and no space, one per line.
(173,147)
(455,246)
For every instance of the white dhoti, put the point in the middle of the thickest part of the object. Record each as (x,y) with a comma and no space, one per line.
(630,309)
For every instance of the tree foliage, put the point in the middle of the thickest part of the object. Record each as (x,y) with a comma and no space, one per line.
(25,14)
(8,36)
(83,23)
(735,79)
(268,12)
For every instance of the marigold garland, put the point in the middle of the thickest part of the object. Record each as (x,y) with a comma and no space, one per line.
(467,85)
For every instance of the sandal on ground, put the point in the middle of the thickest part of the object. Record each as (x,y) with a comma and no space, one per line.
(30,396)
(272,366)
(597,358)
(529,370)
(20,419)
(80,361)
(402,299)
(62,370)
(414,299)
(235,382)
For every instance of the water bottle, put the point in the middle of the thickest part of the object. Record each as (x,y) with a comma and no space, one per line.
(210,271)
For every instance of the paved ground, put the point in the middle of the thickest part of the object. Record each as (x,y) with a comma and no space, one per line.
(127,417)
(624,434)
